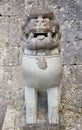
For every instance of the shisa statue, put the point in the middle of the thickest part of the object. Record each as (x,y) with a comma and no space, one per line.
(41,63)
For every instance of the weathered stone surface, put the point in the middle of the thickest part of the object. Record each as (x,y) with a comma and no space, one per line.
(28,5)
(20,55)
(2,56)
(1,73)
(71,46)
(78,48)
(1,82)
(73,120)
(11,56)
(17,83)
(8,7)
(71,28)
(12,85)
(72,86)
(3,106)
(4,31)
(15,30)
(5,7)
(18,7)
(13,117)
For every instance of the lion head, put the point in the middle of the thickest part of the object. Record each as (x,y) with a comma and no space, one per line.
(41,29)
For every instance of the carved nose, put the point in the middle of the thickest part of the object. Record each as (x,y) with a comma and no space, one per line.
(40,22)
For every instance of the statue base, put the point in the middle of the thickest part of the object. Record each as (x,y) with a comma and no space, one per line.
(44,125)
(42,117)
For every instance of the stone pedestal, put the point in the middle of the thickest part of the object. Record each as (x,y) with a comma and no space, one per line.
(42,117)
(45,125)
(13,120)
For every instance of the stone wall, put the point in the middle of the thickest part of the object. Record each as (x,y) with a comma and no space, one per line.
(11,19)
(69,13)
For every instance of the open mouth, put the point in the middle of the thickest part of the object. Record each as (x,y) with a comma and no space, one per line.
(40,34)
(45,34)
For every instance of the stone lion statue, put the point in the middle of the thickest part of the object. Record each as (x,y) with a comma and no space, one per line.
(41,63)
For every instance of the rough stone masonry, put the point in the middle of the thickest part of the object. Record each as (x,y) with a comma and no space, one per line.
(69,14)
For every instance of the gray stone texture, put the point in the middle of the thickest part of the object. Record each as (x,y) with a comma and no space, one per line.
(13,117)
(4,31)
(69,13)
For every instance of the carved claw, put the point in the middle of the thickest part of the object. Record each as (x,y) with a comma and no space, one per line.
(54,119)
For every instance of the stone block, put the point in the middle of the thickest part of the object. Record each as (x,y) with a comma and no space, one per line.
(13,84)
(7,82)
(28,5)
(1,80)
(20,55)
(11,56)
(8,7)
(4,31)
(3,106)
(68,57)
(71,86)
(18,7)
(2,55)
(5,7)
(73,120)
(71,28)
(17,83)
(1,73)
(15,30)
(13,117)
(2,111)
(1,89)
(78,51)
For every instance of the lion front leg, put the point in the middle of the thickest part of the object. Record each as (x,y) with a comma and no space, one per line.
(53,105)
(31,105)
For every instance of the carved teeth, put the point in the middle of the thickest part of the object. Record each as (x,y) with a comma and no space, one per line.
(41,37)
(53,29)
(49,34)
(31,35)
(56,37)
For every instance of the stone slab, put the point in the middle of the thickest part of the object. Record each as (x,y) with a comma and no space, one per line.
(13,117)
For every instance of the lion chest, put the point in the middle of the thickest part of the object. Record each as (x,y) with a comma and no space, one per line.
(47,77)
